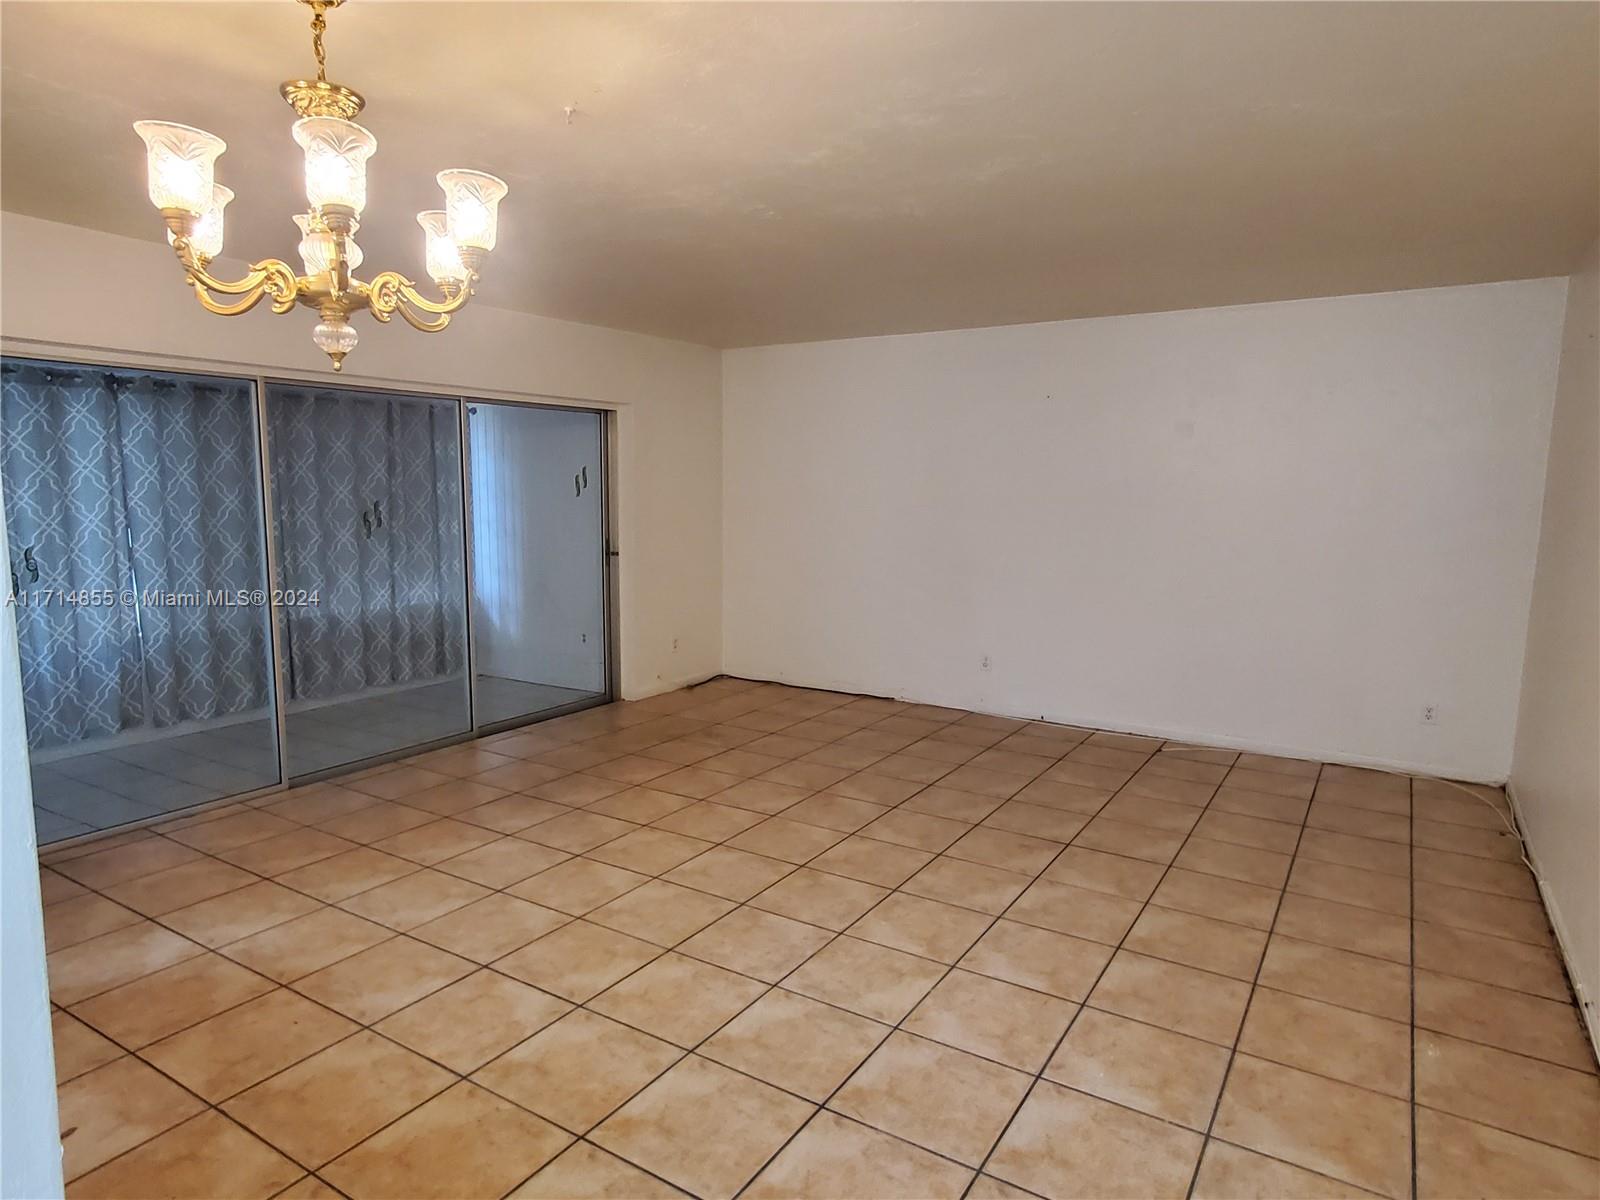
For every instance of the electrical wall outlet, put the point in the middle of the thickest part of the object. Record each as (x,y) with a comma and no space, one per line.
(984,664)
(1430,714)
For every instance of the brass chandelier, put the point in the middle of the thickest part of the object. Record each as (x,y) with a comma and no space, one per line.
(456,239)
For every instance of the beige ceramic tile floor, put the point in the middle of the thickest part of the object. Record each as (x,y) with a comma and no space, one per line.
(752,940)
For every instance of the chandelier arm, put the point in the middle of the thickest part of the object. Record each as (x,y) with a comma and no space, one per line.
(270,277)
(227,310)
(392,292)
(422,324)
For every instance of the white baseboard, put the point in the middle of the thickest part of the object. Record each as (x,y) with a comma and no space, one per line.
(1588,1005)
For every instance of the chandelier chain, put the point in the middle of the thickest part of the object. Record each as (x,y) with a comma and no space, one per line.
(319,24)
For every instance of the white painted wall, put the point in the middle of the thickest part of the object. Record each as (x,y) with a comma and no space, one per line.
(1555,774)
(1287,526)
(30,1141)
(100,293)
(538,558)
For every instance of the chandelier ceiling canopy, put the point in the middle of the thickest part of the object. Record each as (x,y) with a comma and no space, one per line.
(181,164)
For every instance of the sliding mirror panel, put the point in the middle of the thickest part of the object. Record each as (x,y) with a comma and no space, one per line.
(367,519)
(138,573)
(538,559)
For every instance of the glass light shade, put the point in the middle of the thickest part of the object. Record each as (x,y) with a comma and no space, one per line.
(472,204)
(316,247)
(442,256)
(206,240)
(337,337)
(181,164)
(336,161)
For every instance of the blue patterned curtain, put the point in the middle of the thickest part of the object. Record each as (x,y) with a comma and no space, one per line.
(194,523)
(367,511)
(67,529)
(119,484)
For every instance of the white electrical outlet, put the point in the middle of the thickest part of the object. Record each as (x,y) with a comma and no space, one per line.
(984,665)
(1430,714)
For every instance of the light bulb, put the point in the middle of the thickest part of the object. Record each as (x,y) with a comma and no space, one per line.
(336,161)
(316,246)
(181,164)
(206,240)
(472,204)
(440,253)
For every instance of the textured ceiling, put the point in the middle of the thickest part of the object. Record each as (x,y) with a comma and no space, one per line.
(736,174)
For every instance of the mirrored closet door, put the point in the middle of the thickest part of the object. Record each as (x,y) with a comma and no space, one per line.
(537,502)
(223,586)
(367,524)
(138,576)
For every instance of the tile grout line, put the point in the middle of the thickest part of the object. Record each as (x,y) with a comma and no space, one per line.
(1089,992)
(897,1026)
(1207,1135)
(208,1106)
(836,935)
(695,1049)
(770,987)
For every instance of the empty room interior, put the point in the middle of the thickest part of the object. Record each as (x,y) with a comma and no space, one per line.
(852,601)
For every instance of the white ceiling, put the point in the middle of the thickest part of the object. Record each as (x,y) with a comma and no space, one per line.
(737,174)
